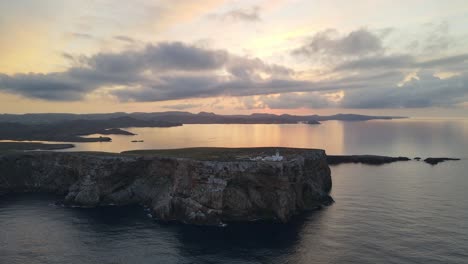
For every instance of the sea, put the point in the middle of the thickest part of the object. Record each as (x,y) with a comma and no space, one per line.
(403,212)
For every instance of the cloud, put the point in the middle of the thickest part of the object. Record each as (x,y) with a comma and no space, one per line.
(382,62)
(124,39)
(249,68)
(425,90)
(173,70)
(438,38)
(183,87)
(402,61)
(422,90)
(165,71)
(297,100)
(178,56)
(165,14)
(178,71)
(330,43)
(53,86)
(171,88)
(81,35)
(364,74)
(444,61)
(251,14)
(165,56)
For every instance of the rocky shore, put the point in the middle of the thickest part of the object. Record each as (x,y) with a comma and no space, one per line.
(181,189)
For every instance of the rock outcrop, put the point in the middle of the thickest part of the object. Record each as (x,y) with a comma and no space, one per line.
(364,159)
(181,189)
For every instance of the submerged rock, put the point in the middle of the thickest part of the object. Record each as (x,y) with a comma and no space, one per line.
(181,189)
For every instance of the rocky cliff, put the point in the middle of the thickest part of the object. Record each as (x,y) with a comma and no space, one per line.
(181,189)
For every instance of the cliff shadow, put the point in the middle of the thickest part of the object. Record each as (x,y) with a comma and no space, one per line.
(257,241)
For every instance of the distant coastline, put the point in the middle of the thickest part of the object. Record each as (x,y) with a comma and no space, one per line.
(189,118)
(76,127)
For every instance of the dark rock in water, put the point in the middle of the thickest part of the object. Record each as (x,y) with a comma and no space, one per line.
(417,158)
(180,189)
(365,159)
(434,161)
(313,122)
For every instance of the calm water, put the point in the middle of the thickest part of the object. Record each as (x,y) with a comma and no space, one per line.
(406,212)
(411,137)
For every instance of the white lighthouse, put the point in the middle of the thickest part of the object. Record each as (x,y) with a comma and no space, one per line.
(276,157)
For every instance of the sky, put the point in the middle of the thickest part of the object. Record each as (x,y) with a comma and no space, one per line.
(235,57)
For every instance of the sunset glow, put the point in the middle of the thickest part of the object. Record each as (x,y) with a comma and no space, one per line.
(228,57)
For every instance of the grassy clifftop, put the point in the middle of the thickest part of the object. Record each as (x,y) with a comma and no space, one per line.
(212,153)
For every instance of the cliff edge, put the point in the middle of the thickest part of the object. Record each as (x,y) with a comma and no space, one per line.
(182,189)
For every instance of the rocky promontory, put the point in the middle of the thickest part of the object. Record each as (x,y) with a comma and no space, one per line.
(189,190)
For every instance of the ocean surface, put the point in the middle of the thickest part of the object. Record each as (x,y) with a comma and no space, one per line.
(404,212)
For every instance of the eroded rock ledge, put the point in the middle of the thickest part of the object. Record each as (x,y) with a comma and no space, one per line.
(181,189)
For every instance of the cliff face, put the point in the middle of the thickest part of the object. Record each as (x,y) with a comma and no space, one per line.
(187,190)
